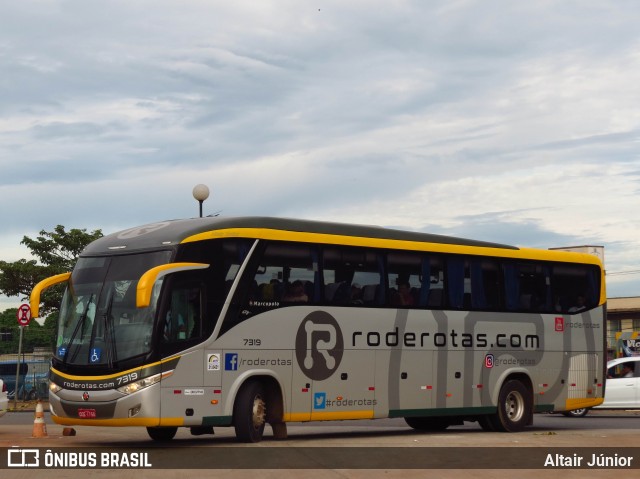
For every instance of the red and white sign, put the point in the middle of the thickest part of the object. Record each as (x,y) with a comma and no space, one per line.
(87,413)
(24,315)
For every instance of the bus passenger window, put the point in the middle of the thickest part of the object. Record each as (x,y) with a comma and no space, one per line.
(575,288)
(287,273)
(527,287)
(183,317)
(435,296)
(405,276)
(295,293)
(456,282)
(484,281)
(352,276)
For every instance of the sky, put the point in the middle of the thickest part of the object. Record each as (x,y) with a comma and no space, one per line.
(514,122)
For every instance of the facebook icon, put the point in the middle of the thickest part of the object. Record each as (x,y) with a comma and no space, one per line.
(230,361)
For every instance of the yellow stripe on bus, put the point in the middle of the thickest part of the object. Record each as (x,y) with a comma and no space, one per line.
(110,376)
(142,421)
(580,403)
(328,416)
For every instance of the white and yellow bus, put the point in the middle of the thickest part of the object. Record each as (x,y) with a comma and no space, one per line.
(240,322)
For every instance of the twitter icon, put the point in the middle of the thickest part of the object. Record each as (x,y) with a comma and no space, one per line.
(319,400)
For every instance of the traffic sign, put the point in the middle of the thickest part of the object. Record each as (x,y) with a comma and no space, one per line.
(24,315)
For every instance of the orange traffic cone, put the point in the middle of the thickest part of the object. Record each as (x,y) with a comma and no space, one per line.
(39,427)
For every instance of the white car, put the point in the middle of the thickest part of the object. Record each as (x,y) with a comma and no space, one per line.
(622,390)
(4,400)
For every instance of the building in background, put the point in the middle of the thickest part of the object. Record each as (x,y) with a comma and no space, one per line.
(623,315)
(623,327)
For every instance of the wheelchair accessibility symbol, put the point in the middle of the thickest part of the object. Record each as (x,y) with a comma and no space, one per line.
(96,354)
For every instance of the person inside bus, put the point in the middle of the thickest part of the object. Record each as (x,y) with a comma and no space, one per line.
(356,294)
(580,305)
(403,296)
(295,293)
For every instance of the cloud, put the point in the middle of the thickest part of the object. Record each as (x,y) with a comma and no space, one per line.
(505,121)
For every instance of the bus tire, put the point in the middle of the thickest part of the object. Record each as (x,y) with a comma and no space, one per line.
(515,406)
(428,423)
(162,434)
(250,412)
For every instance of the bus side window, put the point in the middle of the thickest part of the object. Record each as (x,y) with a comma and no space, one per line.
(353,276)
(408,283)
(569,282)
(435,297)
(485,283)
(182,320)
(287,273)
(279,274)
(527,287)
(455,279)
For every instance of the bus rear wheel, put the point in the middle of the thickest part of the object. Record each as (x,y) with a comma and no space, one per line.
(428,423)
(162,434)
(250,412)
(515,406)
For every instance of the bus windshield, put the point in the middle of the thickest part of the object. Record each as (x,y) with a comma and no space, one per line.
(99,322)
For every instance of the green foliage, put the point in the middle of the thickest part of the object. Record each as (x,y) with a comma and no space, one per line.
(60,249)
(56,252)
(34,335)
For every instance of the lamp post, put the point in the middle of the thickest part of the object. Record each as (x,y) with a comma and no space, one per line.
(200,193)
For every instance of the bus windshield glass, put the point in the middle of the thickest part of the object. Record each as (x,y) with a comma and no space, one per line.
(99,322)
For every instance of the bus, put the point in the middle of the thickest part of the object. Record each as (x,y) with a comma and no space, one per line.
(247,321)
(32,378)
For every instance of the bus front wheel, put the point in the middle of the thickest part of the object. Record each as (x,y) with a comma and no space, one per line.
(515,406)
(250,412)
(162,434)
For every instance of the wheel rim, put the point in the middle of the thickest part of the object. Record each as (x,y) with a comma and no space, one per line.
(514,406)
(258,412)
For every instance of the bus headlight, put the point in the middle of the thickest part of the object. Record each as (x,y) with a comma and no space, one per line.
(53,387)
(138,385)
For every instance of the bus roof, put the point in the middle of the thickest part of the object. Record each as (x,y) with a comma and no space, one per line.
(167,233)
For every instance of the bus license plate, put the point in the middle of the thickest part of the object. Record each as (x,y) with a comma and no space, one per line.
(87,413)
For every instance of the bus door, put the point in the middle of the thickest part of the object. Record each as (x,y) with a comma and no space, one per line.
(184,397)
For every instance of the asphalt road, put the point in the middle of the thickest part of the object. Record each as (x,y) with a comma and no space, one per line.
(606,430)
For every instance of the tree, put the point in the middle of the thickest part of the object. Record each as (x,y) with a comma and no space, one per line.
(34,335)
(56,252)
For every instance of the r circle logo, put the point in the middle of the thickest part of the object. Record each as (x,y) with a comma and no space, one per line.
(319,345)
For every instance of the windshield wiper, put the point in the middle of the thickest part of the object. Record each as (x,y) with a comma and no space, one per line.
(109,333)
(79,325)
